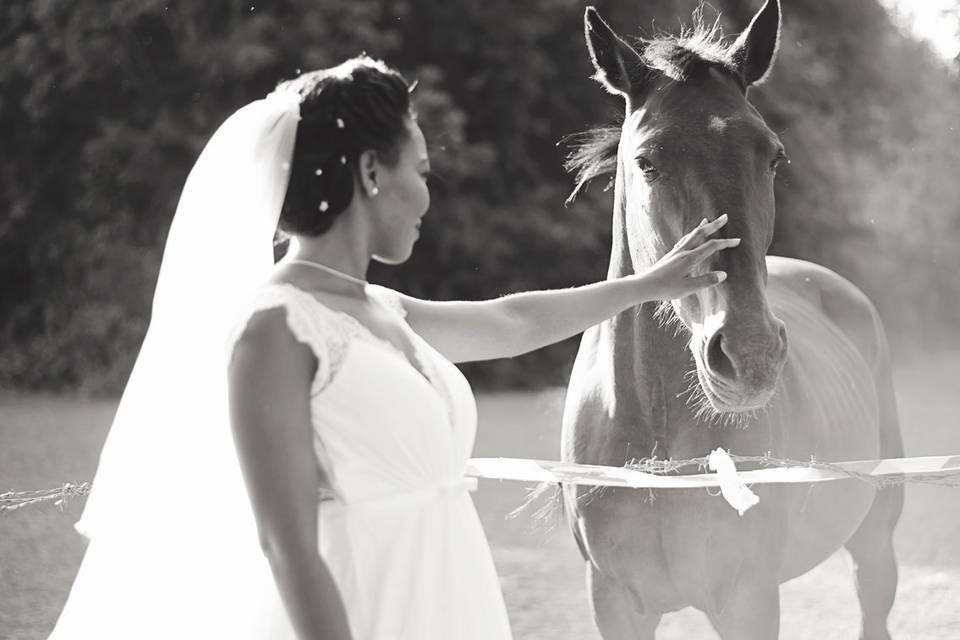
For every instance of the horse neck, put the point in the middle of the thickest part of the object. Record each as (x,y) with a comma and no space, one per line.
(644,351)
(645,362)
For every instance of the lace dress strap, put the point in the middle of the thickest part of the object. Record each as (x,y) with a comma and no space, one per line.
(389,298)
(325,331)
(315,326)
(309,327)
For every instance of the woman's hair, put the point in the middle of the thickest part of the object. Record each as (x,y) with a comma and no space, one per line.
(360,105)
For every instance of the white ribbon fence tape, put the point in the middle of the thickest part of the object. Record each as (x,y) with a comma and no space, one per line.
(733,490)
(727,478)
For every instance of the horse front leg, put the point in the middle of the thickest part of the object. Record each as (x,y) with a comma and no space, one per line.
(615,609)
(751,611)
(871,548)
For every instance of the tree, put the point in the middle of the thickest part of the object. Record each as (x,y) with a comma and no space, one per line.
(105,107)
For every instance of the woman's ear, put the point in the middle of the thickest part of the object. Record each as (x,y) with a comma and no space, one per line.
(368,166)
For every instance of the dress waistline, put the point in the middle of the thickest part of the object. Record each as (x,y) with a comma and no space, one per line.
(403,498)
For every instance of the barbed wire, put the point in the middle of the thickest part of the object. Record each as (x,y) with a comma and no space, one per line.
(547,511)
(665,466)
(13,500)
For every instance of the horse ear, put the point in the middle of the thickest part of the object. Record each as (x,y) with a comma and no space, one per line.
(754,50)
(613,58)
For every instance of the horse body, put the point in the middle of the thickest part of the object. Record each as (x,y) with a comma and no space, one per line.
(633,393)
(627,401)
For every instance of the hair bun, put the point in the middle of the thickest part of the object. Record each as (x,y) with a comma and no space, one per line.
(354,107)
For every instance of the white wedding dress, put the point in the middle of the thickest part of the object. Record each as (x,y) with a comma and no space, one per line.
(399,530)
(400,534)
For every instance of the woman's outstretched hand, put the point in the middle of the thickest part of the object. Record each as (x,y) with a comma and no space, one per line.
(676,274)
(504,327)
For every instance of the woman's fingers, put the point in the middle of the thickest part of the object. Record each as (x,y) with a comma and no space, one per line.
(715,225)
(692,239)
(705,229)
(708,279)
(691,251)
(710,247)
(692,284)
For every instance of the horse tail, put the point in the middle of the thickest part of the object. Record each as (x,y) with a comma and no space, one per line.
(891,440)
(572,522)
(548,512)
(551,511)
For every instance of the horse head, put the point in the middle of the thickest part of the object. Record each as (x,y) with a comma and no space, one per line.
(692,146)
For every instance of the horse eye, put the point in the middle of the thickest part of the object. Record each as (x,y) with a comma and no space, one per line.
(646,167)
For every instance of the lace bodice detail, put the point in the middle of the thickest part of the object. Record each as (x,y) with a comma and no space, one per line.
(326,331)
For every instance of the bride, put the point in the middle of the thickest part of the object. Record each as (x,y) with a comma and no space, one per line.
(287,458)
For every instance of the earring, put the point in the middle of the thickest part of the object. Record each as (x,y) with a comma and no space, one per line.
(374,191)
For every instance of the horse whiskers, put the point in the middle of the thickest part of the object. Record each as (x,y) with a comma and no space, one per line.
(691,375)
(689,392)
(739,420)
(699,404)
(667,319)
(693,395)
(703,410)
(694,390)
(662,313)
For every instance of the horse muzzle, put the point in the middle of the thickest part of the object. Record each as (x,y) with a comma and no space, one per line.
(739,369)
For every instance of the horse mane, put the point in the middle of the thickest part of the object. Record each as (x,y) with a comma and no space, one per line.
(593,153)
(699,47)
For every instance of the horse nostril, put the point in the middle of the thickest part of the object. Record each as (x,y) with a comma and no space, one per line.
(717,359)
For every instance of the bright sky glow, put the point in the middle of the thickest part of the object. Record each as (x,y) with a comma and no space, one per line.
(926,19)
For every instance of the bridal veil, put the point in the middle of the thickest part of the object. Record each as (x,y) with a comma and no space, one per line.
(173,549)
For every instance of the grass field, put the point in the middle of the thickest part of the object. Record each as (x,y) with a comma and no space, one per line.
(47,440)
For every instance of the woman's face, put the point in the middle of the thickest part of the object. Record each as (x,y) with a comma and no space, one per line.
(403,199)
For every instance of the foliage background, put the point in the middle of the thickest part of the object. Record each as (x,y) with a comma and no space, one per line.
(104,107)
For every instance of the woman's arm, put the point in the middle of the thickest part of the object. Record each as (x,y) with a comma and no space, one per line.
(269,380)
(522,322)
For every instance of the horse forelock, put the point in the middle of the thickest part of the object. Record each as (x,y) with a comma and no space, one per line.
(698,47)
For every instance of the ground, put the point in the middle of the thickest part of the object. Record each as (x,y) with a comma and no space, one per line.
(46,440)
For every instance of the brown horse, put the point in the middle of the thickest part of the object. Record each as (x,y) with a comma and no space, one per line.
(692,146)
